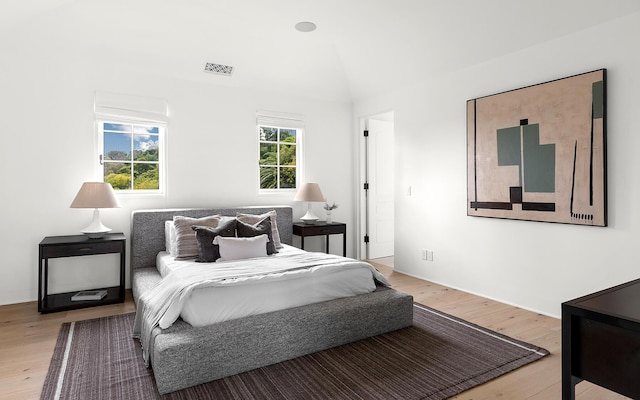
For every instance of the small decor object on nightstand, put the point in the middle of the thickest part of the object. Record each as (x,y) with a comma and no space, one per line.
(89,295)
(328,208)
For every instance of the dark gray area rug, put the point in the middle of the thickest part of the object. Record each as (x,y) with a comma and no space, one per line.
(439,357)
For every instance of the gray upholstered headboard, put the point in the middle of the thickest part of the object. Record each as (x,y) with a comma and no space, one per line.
(147,228)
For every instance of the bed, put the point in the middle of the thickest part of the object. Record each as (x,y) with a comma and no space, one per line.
(187,354)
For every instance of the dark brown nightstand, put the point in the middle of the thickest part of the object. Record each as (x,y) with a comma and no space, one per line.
(321,228)
(73,246)
(601,340)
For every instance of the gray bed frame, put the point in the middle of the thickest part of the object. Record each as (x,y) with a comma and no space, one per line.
(184,356)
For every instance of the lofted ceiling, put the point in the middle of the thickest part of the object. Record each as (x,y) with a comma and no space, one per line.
(361,48)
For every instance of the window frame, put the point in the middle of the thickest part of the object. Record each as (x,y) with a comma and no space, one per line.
(162,161)
(280,120)
(278,166)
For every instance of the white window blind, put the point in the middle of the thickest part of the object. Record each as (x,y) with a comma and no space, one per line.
(280,119)
(134,108)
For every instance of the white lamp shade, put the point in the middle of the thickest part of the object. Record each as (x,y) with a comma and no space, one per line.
(309,192)
(95,195)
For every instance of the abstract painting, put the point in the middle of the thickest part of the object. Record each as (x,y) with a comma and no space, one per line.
(539,153)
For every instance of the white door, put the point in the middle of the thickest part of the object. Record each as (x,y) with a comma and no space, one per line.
(380,214)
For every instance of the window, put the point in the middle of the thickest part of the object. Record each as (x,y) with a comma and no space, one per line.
(278,154)
(280,151)
(131,142)
(131,155)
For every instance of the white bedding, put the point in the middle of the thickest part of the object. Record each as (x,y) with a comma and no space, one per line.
(212,304)
(166,263)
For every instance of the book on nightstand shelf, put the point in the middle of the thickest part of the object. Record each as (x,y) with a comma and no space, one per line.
(89,295)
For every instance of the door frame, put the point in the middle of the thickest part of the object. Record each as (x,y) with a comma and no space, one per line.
(361,196)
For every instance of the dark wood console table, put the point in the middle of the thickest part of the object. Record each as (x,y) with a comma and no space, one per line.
(75,246)
(601,341)
(321,228)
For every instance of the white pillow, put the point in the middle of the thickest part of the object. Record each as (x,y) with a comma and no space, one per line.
(232,248)
(170,243)
(254,219)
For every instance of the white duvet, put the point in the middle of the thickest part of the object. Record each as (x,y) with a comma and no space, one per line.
(207,293)
(217,303)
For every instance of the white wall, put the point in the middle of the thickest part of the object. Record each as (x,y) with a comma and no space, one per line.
(530,264)
(46,123)
(48,151)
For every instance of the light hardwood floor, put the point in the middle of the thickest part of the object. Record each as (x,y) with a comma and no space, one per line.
(27,340)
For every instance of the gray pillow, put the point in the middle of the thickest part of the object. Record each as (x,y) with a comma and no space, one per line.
(261,227)
(186,246)
(207,251)
(253,219)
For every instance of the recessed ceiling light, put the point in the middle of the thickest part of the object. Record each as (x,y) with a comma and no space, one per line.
(305,26)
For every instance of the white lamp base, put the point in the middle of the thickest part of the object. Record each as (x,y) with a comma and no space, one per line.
(309,217)
(96,229)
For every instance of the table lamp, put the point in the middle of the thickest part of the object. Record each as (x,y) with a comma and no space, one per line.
(309,192)
(95,195)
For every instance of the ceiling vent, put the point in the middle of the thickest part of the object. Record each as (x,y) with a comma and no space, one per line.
(219,69)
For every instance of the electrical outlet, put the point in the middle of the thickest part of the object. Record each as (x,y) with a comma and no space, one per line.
(429,255)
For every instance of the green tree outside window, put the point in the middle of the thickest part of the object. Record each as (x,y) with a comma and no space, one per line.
(278,157)
(131,155)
